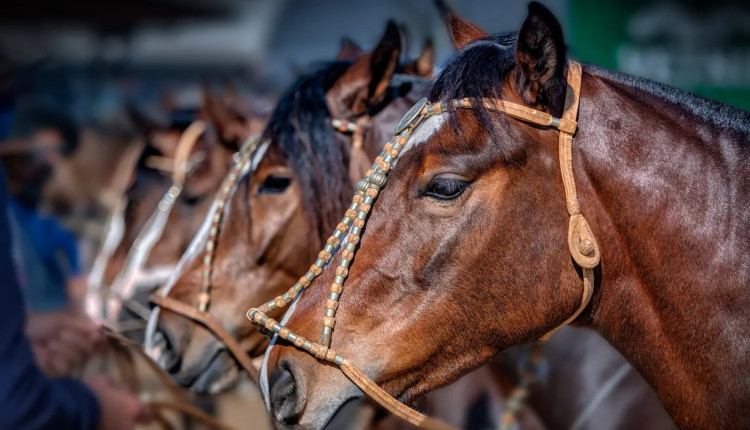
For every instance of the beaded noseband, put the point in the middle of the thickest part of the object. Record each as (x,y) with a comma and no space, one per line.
(581,241)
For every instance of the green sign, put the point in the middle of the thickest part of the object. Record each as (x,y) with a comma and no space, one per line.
(702,47)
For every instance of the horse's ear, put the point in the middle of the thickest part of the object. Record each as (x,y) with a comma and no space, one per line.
(365,82)
(463,32)
(349,51)
(424,64)
(540,58)
(228,124)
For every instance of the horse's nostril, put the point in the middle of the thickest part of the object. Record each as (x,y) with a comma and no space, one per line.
(287,403)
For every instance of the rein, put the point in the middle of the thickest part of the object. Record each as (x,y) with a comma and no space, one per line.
(581,241)
(180,403)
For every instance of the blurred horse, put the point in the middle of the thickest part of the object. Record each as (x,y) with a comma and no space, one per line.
(277,216)
(467,251)
(149,236)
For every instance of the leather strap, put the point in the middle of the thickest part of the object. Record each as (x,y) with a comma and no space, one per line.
(522,113)
(126,366)
(582,244)
(372,390)
(206,320)
(184,148)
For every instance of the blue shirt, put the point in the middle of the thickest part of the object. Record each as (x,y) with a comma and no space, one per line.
(48,257)
(28,399)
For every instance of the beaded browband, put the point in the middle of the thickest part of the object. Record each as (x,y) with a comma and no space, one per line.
(581,242)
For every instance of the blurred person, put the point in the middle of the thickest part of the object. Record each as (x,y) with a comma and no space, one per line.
(45,254)
(28,399)
(49,262)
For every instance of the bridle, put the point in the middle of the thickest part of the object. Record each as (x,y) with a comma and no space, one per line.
(581,241)
(358,159)
(200,314)
(132,274)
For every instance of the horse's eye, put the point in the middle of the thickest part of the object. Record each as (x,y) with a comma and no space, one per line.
(446,188)
(193,199)
(274,185)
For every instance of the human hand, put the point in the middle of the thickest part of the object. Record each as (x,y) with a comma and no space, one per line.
(62,341)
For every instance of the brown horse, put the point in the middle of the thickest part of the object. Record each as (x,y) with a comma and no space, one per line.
(465,252)
(229,126)
(278,215)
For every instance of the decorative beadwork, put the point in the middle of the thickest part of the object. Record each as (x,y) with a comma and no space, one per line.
(367,189)
(227,185)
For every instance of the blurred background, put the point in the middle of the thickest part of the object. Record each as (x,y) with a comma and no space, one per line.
(91,57)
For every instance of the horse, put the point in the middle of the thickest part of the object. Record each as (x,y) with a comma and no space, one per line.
(227,125)
(314,95)
(466,251)
(80,189)
(637,395)
(299,185)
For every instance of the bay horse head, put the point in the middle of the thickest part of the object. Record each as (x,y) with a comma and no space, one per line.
(466,250)
(307,163)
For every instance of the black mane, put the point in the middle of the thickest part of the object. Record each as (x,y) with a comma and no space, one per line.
(301,126)
(476,71)
(478,68)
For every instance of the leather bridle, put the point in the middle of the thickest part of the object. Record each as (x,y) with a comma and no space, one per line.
(200,314)
(131,273)
(582,244)
(358,159)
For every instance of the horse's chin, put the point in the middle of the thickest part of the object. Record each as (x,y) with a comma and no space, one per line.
(225,381)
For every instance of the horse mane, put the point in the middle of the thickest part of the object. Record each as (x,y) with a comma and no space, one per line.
(478,69)
(726,117)
(300,126)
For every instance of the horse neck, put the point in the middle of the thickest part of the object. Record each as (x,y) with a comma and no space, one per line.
(666,193)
